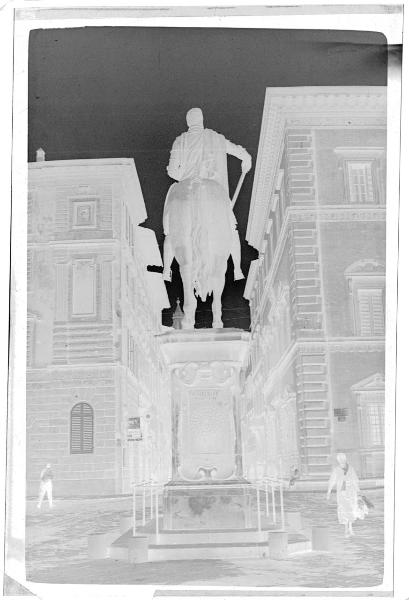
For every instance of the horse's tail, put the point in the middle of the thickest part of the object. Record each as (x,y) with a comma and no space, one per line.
(203,257)
(202,261)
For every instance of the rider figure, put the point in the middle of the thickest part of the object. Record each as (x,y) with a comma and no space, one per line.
(199,154)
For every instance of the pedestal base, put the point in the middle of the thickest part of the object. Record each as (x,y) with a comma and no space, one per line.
(207,506)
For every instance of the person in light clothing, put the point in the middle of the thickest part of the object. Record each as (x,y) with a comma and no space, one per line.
(349,507)
(46,486)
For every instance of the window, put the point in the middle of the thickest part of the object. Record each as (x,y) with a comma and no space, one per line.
(84,287)
(371,313)
(129,229)
(30,260)
(370,403)
(371,418)
(84,213)
(360,182)
(82,429)
(280,316)
(132,355)
(366,281)
(341,414)
(30,203)
(364,174)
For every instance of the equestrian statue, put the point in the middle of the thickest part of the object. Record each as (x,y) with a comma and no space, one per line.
(198,220)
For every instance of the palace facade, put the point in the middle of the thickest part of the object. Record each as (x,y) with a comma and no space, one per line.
(315,375)
(98,405)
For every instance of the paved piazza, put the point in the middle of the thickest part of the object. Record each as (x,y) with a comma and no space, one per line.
(58,538)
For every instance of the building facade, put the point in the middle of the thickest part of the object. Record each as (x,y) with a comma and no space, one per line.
(315,378)
(98,406)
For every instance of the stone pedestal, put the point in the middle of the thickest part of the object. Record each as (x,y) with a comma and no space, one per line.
(207,488)
(98,544)
(320,538)
(138,549)
(278,544)
(293,521)
(207,506)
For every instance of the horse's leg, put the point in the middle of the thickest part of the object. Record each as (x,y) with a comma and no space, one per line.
(218,287)
(236,255)
(168,255)
(189,298)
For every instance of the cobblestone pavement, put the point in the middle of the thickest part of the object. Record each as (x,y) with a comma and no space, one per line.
(56,550)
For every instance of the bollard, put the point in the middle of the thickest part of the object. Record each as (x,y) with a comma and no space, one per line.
(98,545)
(278,544)
(125,523)
(138,549)
(320,538)
(293,520)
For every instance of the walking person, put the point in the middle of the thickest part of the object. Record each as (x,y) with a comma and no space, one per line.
(46,486)
(345,479)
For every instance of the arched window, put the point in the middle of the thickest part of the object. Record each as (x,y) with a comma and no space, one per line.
(82,429)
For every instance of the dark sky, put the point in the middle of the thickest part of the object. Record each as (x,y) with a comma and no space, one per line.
(100,92)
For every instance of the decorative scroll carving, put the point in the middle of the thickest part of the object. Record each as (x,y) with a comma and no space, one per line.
(188,373)
(217,373)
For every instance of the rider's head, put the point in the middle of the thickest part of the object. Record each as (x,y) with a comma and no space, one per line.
(194,118)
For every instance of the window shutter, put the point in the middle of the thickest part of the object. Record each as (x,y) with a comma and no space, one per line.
(378,316)
(371,313)
(360,182)
(372,418)
(30,342)
(30,213)
(82,429)
(29,268)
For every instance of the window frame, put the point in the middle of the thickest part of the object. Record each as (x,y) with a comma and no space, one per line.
(374,160)
(82,449)
(368,395)
(365,275)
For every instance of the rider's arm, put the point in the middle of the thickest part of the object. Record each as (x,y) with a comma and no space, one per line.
(240,153)
(174,167)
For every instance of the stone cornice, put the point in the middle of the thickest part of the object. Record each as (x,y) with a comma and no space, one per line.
(304,107)
(328,213)
(345,344)
(101,243)
(79,172)
(319,214)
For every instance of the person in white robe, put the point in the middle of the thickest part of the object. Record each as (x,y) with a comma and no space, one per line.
(46,486)
(346,482)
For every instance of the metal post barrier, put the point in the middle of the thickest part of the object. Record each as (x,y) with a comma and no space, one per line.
(258,508)
(273,500)
(157,512)
(282,504)
(143,504)
(267,502)
(281,494)
(134,509)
